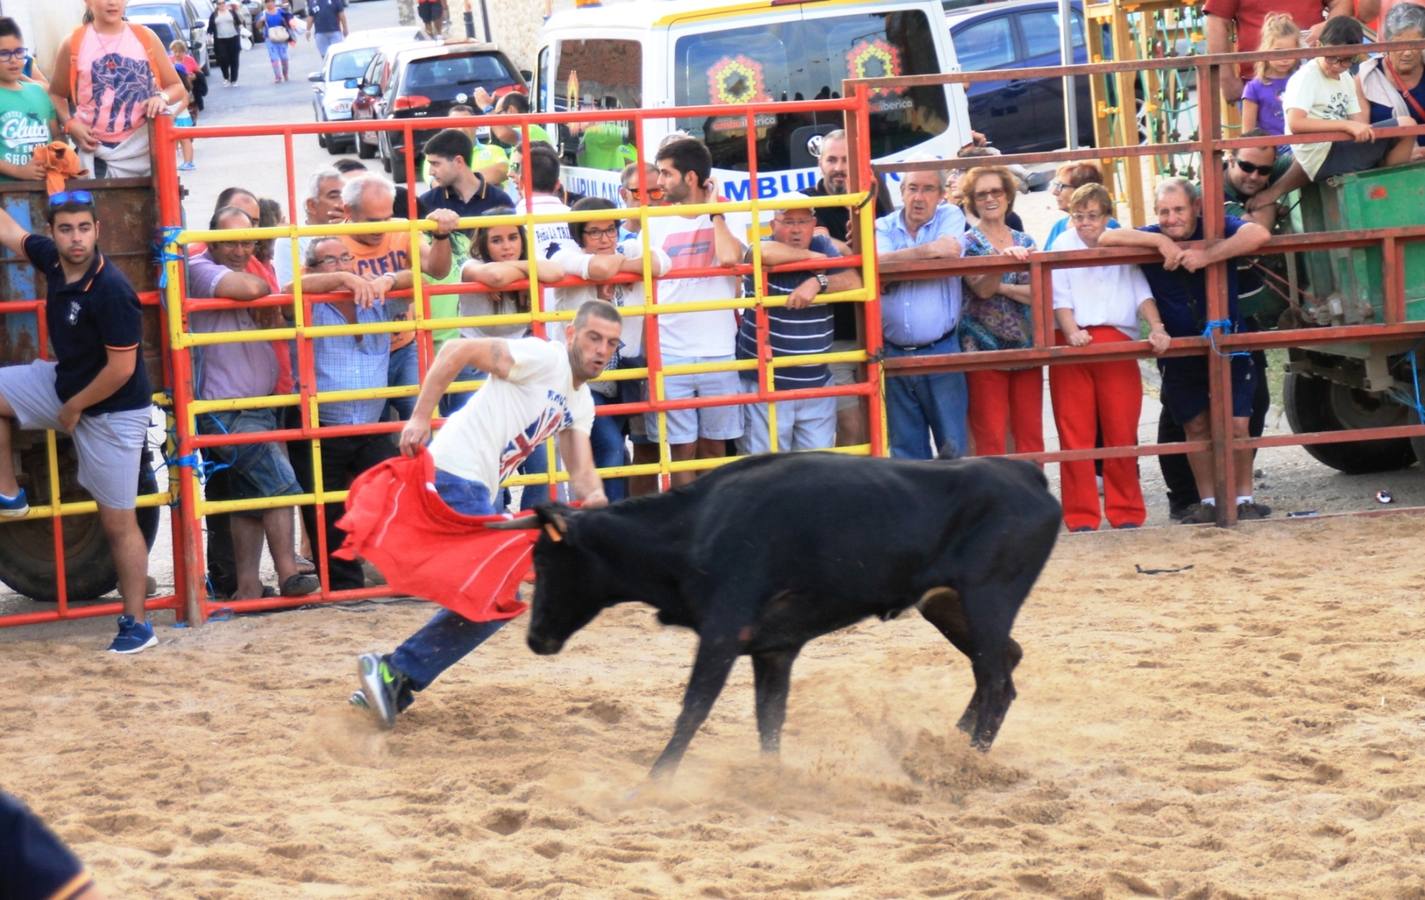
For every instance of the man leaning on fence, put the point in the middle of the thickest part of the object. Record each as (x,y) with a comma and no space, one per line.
(919,318)
(234,371)
(95,389)
(802,327)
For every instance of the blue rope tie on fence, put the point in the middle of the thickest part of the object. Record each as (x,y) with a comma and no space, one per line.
(167,236)
(205,468)
(1225,326)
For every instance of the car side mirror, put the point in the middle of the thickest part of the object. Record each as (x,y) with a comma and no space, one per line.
(527,75)
(314,76)
(371,90)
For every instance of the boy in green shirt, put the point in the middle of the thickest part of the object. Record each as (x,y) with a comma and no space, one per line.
(27,118)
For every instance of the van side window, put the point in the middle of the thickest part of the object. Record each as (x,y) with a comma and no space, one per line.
(807,60)
(597,74)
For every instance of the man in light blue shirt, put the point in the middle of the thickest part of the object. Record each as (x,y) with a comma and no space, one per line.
(919,318)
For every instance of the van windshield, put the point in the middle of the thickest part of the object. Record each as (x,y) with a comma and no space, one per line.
(807,59)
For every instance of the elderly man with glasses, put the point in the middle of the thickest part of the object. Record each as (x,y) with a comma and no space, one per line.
(346,363)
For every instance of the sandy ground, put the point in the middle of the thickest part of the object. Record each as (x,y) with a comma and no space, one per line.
(1251,726)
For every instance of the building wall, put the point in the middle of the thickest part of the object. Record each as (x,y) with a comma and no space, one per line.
(45,24)
(515,26)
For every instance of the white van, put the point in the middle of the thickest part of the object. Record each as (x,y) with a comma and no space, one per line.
(667,53)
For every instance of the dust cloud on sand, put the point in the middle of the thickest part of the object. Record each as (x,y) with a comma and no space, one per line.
(1250,727)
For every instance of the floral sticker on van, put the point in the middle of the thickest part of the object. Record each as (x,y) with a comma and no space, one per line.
(737,80)
(874,58)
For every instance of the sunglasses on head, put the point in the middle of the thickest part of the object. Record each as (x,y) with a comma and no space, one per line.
(64,197)
(1252,169)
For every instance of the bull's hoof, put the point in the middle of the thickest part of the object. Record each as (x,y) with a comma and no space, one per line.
(967,723)
(982,743)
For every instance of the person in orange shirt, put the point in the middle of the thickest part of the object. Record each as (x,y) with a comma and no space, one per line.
(371,198)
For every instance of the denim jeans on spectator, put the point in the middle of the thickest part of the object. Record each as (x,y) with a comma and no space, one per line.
(537,463)
(447,637)
(918,406)
(607,439)
(404,370)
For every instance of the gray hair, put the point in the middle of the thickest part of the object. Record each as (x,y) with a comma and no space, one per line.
(1176,183)
(1402,17)
(354,190)
(314,183)
(941,174)
(310,260)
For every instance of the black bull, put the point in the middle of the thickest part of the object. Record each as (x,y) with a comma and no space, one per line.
(762,555)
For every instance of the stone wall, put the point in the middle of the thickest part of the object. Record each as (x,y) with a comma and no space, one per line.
(514,24)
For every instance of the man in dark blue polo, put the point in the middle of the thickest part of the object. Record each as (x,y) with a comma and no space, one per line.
(457,187)
(1179,286)
(95,389)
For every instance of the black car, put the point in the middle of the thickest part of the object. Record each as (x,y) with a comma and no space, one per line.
(1020,115)
(424,82)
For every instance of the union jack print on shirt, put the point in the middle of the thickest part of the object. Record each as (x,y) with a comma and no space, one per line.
(554,417)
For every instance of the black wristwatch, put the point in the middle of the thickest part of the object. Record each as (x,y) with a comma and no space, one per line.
(823,282)
(437,236)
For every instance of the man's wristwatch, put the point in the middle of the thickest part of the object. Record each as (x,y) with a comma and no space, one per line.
(436,235)
(823,283)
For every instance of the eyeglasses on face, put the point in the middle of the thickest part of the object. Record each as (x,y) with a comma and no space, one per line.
(64,197)
(1345,62)
(345,259)
(1252,169)
(18,53)
(652,193)
(1056,186)
(609,232)
(1088,218)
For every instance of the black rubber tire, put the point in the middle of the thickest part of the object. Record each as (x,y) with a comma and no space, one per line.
(398,167)
(27,548)
(1315,404)
(363,149)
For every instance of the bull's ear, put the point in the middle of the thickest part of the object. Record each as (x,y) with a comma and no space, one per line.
(554,520)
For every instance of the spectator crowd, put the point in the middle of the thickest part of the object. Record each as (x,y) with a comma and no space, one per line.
(478,280)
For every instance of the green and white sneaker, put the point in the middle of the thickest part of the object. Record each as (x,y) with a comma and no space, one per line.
(381,688)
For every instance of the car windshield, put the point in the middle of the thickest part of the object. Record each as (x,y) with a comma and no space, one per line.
(807,60)
(442,77)
(165,33)
(155,9)
(350,64)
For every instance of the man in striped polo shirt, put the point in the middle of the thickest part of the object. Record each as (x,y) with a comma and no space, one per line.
(804,326)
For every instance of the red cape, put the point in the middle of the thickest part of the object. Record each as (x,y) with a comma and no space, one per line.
(396,520)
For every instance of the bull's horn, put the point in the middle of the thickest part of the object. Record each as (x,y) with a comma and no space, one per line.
(518,523)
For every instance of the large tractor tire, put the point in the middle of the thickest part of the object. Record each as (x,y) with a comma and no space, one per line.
(27,548)
(1315,404)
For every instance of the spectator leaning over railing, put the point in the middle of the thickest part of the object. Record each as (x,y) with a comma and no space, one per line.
(235,371)
(371,198)
(500,258)
(1100,305)
(345,363)
(95,389)
(697,242)
(997,317)
(1392,83)
(630,196)
(1179,285)
(645,449)
(919,318)
(1244,18)
(322,206)
(598,258)
(117,76)
(804,326)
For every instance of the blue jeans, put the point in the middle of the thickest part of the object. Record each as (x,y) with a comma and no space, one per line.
(449,403)
(448,637)
(537,463)
(918,406)
(606,437)
(404,369)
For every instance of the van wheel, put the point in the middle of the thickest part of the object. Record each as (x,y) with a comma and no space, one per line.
(27,548)
(1315,404)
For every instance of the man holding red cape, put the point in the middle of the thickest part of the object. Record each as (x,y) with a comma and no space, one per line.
(535,389)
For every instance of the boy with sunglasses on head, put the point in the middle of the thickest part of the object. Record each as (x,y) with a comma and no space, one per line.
(95,389)
(1322,97)
(27,117)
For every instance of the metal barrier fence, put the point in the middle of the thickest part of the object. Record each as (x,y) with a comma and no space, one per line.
(1217,347)
(182,340)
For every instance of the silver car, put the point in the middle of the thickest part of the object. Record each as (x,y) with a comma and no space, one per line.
(334,87)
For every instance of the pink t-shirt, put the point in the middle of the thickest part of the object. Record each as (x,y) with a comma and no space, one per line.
(114,80)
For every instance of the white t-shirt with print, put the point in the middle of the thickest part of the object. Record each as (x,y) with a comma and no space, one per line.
(550,237)
(688,244)
(487,438)
(1322,97)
